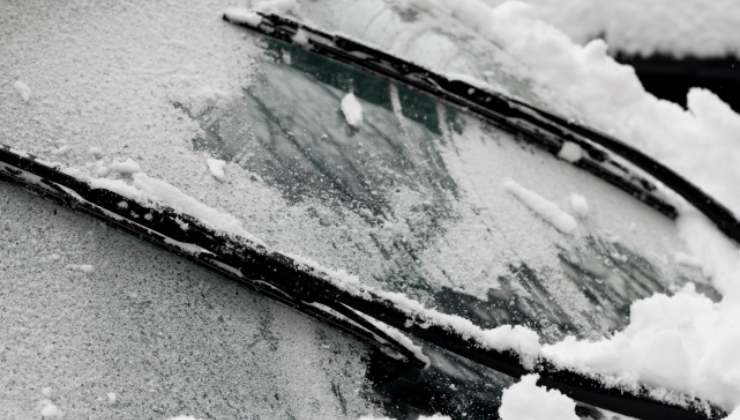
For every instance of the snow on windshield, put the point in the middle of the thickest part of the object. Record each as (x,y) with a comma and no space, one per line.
(90,87)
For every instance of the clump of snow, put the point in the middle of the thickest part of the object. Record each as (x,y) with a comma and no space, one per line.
(352,110)
(527,401)
(22,90)
(125,167)
(544,208)
(82,268)
(570,152)
(301,37)
(242,15)
(46,391)
(50,410)
(579,205)
(112,397)
(216,166)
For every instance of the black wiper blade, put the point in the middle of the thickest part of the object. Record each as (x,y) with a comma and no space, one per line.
(542,128)
(321,294)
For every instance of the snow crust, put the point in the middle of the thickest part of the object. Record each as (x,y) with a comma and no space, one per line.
(544,208)
(526,401)
(352,110)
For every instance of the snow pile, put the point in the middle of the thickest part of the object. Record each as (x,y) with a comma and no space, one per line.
(527,401)
(584,83)
(685,343)
(544,208)
(703,28)
(352,110)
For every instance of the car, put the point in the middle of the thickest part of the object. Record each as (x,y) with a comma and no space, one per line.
(423,215)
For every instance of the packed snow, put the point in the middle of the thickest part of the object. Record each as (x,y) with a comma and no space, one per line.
(526,401)
(546,209)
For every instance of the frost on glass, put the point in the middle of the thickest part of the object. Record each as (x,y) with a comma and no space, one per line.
(418,199)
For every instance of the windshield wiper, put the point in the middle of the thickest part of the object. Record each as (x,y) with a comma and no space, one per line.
(362,311)
(369,314)
(605,155)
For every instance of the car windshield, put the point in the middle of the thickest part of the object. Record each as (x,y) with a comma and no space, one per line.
(338,166)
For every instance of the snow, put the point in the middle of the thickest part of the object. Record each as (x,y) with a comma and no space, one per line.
(146,189)
(570,152)
(22,90)
(547,210)
(112,397)
(216,166)
(579,205)
(681,28)
(352,110)
(50,410)
(585,84)
(82,268)
(242,15)
(301,37)
(46,391)
(526,401)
